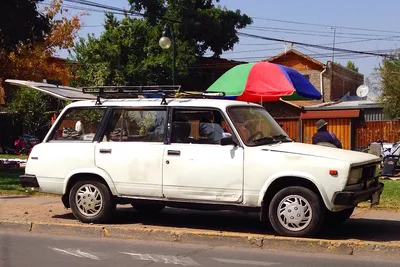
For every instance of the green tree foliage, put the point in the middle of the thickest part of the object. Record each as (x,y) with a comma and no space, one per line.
(32,109)
(389,72)
(352,66)
(20,22)
(128,52)
(204,25)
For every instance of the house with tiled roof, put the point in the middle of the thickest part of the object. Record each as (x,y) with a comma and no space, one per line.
(333,80)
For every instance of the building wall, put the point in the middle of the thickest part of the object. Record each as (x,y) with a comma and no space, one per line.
(374,114)
(340,81)
(297,62)
(204,72)
(370,131)
(281,110)
(314,77)
(291,128)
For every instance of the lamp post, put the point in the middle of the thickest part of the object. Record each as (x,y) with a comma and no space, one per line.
(165,43)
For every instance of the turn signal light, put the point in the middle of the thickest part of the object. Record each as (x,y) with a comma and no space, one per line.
(333,172)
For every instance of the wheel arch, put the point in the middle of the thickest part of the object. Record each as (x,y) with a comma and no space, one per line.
(274,185)
(90,174)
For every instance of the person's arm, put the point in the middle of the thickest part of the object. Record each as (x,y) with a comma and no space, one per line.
(336,141)
(314,139)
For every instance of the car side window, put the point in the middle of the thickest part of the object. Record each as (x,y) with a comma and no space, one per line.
(198,127)
(79,124)
(128,125)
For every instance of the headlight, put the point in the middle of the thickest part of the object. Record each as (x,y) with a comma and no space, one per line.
(355,176)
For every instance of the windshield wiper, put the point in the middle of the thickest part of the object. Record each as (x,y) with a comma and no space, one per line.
(264,140)
(284,137)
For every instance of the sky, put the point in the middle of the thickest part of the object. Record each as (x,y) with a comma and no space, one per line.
(307,21)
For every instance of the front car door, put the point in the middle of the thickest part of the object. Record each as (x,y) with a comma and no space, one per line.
(196,166)
(131,150)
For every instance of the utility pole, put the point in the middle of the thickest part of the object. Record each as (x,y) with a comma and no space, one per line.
(333,47)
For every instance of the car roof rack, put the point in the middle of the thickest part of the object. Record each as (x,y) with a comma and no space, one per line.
(151,91)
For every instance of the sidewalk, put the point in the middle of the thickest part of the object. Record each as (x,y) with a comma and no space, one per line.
(367,231)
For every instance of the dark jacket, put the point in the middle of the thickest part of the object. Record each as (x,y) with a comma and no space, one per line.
(326,136)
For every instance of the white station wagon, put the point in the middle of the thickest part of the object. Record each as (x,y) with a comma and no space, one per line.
(196,153)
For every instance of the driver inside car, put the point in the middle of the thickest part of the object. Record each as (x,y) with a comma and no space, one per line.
(211,129)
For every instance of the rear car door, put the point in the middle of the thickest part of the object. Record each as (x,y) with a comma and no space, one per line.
(131,150)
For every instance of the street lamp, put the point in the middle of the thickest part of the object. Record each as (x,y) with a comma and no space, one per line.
(165,43)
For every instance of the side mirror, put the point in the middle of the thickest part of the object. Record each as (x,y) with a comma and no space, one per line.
(228,140)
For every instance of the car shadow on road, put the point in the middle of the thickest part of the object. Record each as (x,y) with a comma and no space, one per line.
(227,221)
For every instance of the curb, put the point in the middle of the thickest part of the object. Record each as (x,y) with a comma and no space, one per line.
(214,238)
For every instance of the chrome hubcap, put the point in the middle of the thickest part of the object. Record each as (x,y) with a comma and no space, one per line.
(89,200)
(294,213)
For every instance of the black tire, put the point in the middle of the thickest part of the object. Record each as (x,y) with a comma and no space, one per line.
(315,205)
(337,218)
(104,212)
(148,209)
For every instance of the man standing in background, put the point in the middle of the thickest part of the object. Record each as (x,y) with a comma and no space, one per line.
(324,136)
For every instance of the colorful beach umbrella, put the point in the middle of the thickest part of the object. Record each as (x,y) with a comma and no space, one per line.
(263,82)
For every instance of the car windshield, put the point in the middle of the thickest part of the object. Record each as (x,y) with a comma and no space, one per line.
(256,127)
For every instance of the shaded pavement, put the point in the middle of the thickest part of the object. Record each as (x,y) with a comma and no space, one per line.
(365,224)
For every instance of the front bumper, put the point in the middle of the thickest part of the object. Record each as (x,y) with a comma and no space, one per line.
(352,198)
(28,180)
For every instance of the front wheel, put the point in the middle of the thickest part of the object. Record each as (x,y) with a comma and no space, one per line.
(91,201)
(296,211)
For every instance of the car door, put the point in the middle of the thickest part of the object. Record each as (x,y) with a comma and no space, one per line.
(131,150)
(196,166)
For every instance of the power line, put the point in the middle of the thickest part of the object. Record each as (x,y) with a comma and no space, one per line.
(93,4)
(124,11)
(250,51)
(311,45)
(315,33)
(324,25)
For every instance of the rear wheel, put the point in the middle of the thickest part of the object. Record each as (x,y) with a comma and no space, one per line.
(148,209)
(91,201)
(296,211)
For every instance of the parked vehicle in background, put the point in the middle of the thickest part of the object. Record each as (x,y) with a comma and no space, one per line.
(196,153)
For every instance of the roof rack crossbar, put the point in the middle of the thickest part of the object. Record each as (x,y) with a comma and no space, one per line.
(162,91)
(130,89)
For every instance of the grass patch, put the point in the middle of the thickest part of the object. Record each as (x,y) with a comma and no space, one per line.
(9,183)
(390,198)
(8,156)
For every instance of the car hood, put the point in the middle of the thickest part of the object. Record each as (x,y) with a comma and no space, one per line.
(353,157)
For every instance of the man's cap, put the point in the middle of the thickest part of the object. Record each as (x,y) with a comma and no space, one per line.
(321,123)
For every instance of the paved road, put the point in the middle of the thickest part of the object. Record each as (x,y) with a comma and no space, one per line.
(48,251)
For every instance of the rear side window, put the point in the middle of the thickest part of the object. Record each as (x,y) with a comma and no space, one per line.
(130,125)
(79,124)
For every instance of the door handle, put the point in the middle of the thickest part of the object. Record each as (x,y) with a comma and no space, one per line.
(104,150)
(174,152)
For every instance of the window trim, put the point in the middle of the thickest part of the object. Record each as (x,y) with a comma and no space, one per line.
(137,108)
(49,137)
(224,116)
